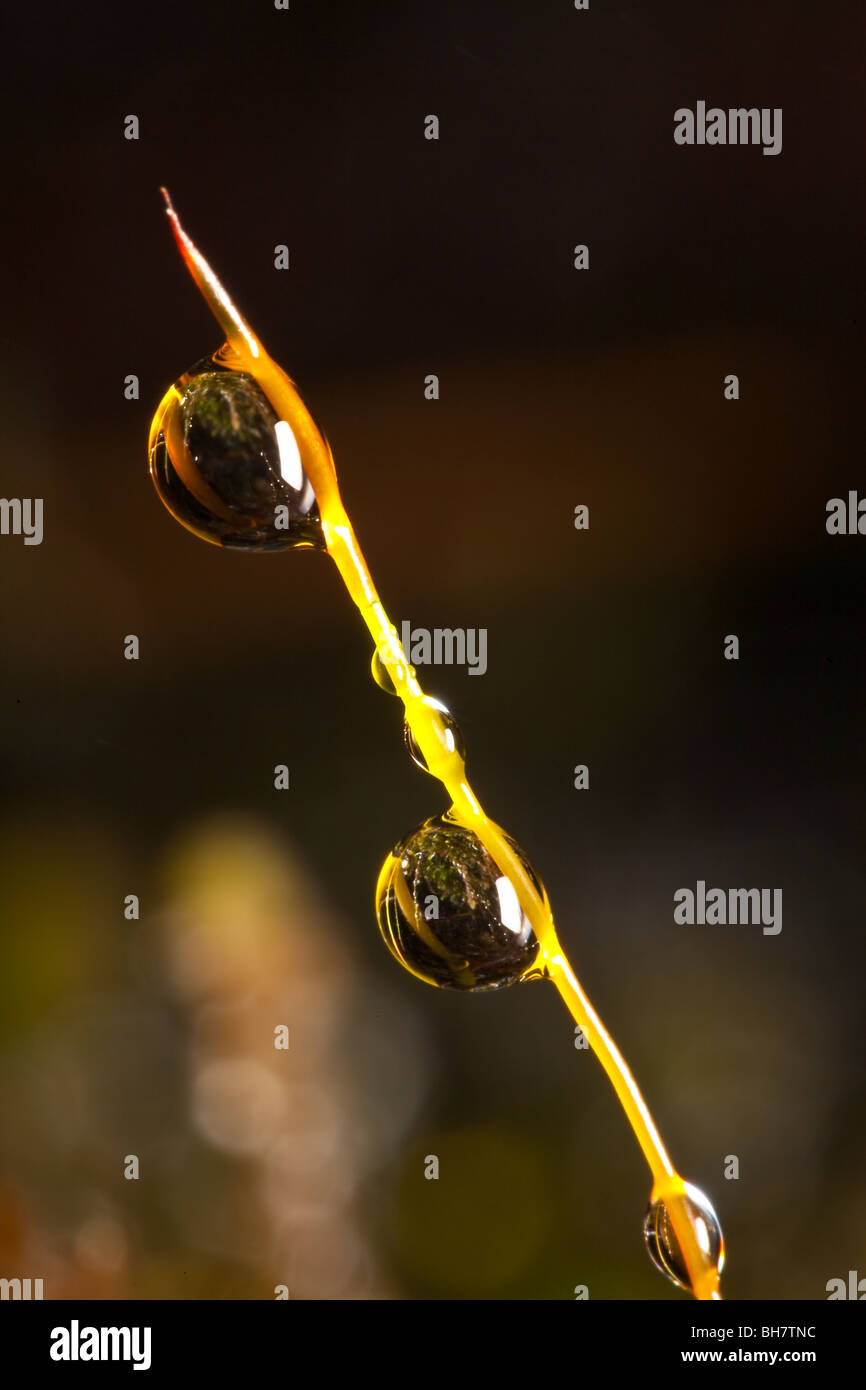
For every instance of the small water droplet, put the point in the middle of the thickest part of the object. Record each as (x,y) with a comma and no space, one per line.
(661,1241)
(227,468)
(447,730)
(385,659)
(449,915)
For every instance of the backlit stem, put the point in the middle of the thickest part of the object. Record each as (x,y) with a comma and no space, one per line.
(246,353)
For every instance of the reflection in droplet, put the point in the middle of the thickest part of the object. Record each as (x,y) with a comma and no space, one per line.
(447,731)
(448,913)
(227,468)
(291,468)
(661,1241)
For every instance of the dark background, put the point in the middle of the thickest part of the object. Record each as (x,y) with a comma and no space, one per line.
(557,388)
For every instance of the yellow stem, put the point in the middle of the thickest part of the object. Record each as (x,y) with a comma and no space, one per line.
(246,353)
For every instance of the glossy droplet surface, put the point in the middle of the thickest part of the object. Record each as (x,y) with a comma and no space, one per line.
(449,915)
(228,468)
(447,731)
(386,658)
(661,1241)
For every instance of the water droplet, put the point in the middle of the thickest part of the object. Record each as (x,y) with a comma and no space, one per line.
(447,730)
(227,468)
(661,1241)
(449,915)
(385,658)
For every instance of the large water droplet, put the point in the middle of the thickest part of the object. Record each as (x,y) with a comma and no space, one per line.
(447,731)
(228,468)
(662,1244)
(449,914)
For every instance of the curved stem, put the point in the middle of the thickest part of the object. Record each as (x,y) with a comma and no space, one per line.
(246,353)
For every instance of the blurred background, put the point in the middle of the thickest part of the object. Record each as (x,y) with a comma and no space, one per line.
(154,1037)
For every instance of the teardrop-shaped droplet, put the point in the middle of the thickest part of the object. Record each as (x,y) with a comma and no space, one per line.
(661,1241)
(449,914)
(447,732)
(227,467)
(388,658)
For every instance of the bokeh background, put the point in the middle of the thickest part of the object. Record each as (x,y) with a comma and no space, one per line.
(154,1037)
